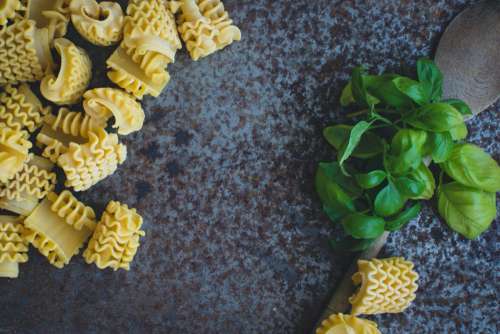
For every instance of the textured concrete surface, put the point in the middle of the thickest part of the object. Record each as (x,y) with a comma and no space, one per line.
(222,172)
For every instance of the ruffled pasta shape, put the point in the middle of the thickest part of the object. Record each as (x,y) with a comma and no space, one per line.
(52,15)
(86,164)
(8,10)
(343,324)
(74,74)
(205,26)
(31,184)
(13,247)
(86,17)
(116,238)
(20,108)
(103,103)
(24,52)
(51,227)
(387,286)
(58,131)
(14,149)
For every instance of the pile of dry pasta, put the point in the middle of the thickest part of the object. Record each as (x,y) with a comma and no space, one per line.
(148,35)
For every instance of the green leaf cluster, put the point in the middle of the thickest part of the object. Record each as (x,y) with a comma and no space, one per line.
(385,161)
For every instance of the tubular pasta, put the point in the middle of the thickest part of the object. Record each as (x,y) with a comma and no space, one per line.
(51,228)
(86,164)
(13,247)
(387,286)
(52,15)
(349,324)
(103,103)
(24,52)
(85,15)
(8,10)
(14,149)
(20,108)
(74,75)
(31,184)
(116,238)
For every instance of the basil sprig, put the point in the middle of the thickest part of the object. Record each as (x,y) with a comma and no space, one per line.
(382,172)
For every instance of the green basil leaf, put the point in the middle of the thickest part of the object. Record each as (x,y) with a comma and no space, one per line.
(431,78)
(347,98)
(359,91)
(409,187)
(336,202)
(423,174)
(403,218)
(459,132)
(371,179)
(354,138)
(436,117)
(361,226)
(352,245)
(406,150)
(389,201)
(466,210)
(383,88)
(369,145)
(411,88)
(440,145)
(471,166)
(460,105)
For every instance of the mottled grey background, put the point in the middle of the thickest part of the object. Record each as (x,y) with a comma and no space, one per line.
(222,173)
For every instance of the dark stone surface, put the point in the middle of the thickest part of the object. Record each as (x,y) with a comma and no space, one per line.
(222,173)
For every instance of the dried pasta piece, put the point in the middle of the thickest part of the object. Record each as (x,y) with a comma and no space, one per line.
(219,17)
(387,286)
(99,23)
(347,324)
(24,52)
(52,15)
(86,164)
(116,238)
(129,75)
(103,103)
(13,247)
(51,228)
(20,108)
(74,74)
(14,149)
(58,131)
(8,10)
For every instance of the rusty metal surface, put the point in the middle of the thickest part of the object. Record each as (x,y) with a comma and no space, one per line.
(222,173)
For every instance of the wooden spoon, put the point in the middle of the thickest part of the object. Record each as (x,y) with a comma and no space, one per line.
(469,56)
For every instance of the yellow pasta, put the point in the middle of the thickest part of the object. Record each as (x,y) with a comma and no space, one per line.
(8,10)
(31,184)
(52,15)
(99,23)
(74,74)
(51,227)
(387,286)
(116,238)
(347,324)
(24,52)
(14,149)
(103,103)
(86,164)
(13,247)
(205,26)
(20,108)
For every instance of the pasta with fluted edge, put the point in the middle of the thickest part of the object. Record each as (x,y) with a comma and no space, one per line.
(116,238)
(14,148)
(51,227)
(103,103)
(20,108)
(52,15)
(86,164)
(13,247)
(347,324)
(8,10)
(24,52)
(387,286)
(74,74)
(58,131)
(204,26)
(99,23)
(31,184)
